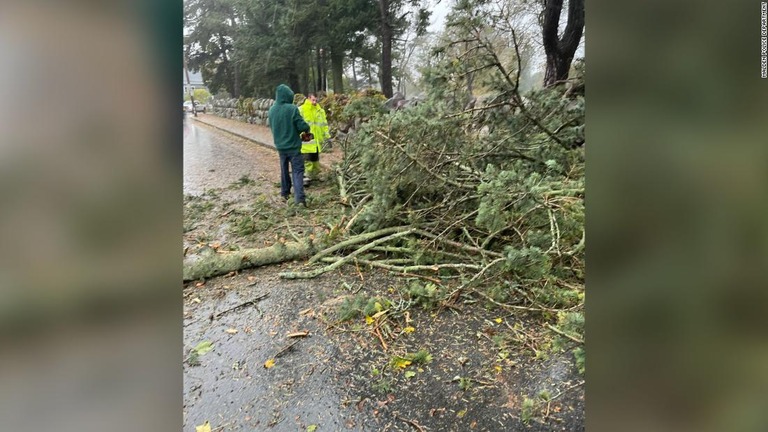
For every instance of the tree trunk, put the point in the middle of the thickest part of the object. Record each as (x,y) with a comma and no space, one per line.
(386,49)
(337,68)
(236,68)
(354,74)
(370,77)
(320,77)
(560,52)
(216,264)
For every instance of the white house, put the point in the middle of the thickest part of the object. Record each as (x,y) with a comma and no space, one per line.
(195,80)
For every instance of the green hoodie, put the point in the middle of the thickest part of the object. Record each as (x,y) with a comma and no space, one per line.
(285,121)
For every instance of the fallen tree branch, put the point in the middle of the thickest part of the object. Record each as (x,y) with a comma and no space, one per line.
(361,238)
(425,167)
(339,263)
(457,244)
(215,264)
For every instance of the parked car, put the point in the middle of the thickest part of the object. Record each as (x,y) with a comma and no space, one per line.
(198,107)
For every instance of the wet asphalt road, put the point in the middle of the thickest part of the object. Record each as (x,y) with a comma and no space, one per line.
(214,159)
(231,388)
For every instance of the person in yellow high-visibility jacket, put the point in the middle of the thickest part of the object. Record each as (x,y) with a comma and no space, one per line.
(314,115)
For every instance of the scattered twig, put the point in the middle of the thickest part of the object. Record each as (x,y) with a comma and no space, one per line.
(381,339)
(509,306)
(287,347)
(562,333)
(240,306)
(417,426)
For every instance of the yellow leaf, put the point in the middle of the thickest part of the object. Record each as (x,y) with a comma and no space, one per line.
(377,306)
(231,330)
(461,413)
(368,320)
(205,427)
(498,320)
(497,368)
(269,363)
(402,363)
(409,329)
(378,314)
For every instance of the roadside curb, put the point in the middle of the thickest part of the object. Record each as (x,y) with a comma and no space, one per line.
(263,144)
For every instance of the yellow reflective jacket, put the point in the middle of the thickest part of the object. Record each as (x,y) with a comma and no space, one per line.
(314,115)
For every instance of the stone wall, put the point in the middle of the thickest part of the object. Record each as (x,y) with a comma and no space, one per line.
(249,110)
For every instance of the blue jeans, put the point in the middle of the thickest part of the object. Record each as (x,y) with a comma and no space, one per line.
(296,160)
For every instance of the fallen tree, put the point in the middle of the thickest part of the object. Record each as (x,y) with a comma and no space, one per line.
(488,195)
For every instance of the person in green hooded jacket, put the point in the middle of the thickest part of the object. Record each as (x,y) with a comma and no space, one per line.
(287,127)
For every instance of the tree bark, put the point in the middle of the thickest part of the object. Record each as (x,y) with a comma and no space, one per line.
(560,52)
(216,264)
(386,49)
(320,74)
(337,70)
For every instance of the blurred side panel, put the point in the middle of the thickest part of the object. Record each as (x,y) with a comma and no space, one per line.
(90,215)
(677,255)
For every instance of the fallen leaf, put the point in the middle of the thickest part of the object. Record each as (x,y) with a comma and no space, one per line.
(251,278)
(378,314)
(196,300)
(203,347)
(473,425)
(409,329)
(231,330)
(401,362)
(368,320)
(461,413)
(498,320)
(311,428)
(497,368)
(410,374)
(199,284)
(269,363)
(205,427)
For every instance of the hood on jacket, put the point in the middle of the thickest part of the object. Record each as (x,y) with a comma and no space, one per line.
(283,94)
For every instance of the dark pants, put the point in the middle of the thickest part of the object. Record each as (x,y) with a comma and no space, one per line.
(296,160)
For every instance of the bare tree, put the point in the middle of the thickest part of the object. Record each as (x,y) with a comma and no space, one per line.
(560,51)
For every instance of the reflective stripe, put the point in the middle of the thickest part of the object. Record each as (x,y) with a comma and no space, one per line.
(310,147)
